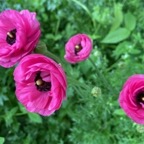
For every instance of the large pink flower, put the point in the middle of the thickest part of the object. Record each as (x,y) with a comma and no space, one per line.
(131,98)
(19,34)
(40,84)
(78,48)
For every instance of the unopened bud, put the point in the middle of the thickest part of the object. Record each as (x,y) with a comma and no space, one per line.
(96,91)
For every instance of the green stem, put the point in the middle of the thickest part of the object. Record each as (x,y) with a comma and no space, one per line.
(51,55)
(77,83)
(102,77)
(57,26)
(20,114)
(41,48)
(57,59)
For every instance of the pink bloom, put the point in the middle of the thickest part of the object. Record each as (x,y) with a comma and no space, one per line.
(40,84)
(78,48)
(19,34)
(131,98)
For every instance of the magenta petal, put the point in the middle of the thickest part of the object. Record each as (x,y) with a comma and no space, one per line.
(131,98)
(25,29)
(40,84)
(86,47)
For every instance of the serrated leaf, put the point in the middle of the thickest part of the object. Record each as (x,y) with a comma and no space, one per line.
(9,116)
(22,109)
(35,118)
(116,36)
(2,99)
(2,139)
(122,48)
(130,21)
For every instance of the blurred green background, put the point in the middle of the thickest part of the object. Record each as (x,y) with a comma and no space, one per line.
(91,113)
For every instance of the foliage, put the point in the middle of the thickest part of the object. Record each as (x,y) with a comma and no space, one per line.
(86,117)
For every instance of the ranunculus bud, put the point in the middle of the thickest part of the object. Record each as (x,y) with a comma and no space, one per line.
(40,84)
(131,98)
(78,48)
(19,34)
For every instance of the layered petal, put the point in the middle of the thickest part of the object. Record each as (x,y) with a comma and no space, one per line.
(131,98)
(40,84)
(78,48)
(19,34)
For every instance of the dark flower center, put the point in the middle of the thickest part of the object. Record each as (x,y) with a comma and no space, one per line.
(78,48)
(42,85)
(11,37)
(140,97)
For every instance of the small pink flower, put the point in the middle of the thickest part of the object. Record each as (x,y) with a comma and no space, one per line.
(19,34)
(40,84)
(131,98)
(78,48)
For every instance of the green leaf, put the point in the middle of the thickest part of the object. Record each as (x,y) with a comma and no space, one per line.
(53,37)
(122,48)
(116,36)
(130,21)
(22,109)
(35,118)
(9,116)
(41,48)
(118,16)
(119,112)
(2,140)
(2,99)
(82,6)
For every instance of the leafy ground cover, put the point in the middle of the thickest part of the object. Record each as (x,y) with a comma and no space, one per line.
(91,114)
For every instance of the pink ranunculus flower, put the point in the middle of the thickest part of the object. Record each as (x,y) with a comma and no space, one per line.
(131,98)
(40,84)
(78,48)
(19,34)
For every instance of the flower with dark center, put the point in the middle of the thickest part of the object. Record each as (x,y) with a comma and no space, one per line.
(140,98)
(78,48)
(40,84)
(11,37)
(131,98)
(19,34)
